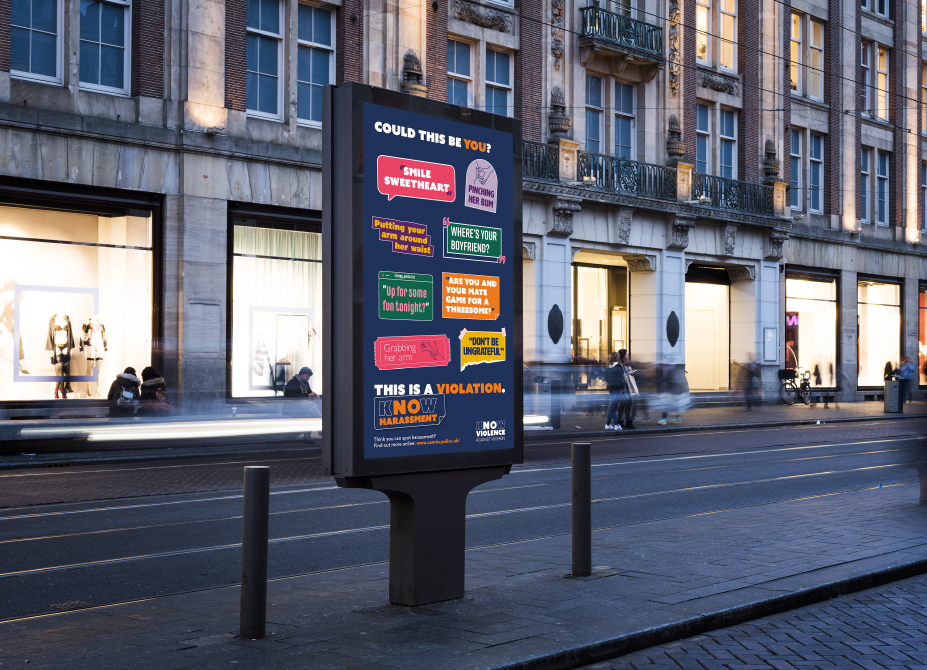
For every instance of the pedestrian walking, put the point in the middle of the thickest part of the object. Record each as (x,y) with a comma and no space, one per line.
(906,372)
(615,383)
(624,408)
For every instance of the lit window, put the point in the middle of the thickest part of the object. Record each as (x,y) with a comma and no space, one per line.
(315,68)
(882,86)
(796,55)
(34,39)
(703,26)
(728,148)
(701,139)
(923,16)
(458,73)
(882,188)
(263,59)
(593,114)
(816,57)
(104,34)
(864,185)
(624,120)
(867,78)
(795,174)
(727,34)
(924,97)
(816,176)
(498,82)
(924,196)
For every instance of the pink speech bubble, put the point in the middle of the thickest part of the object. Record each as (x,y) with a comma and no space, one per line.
(415,179)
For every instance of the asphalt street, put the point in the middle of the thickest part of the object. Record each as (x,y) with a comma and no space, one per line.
(84,537)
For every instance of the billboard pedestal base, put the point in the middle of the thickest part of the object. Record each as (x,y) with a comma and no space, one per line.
(426,532)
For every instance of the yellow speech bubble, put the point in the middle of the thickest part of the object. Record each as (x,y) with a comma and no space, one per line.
(481,347)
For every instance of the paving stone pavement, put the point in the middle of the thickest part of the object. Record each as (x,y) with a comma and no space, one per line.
(520,610)
(881,628)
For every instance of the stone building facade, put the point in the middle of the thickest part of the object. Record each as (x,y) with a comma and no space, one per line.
(711,182)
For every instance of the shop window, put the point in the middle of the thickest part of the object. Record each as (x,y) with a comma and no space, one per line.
(811,327)
(922,335)
(315,61)
(498,82)
(264,49)
(276,309)
(76,294)
(104,36)
(624,120)
(458,73)
(707,328)
(600,314)
(34,39)
(879,336)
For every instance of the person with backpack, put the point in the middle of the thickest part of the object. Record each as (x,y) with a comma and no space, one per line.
(124,394)
(153,400)
(616,384)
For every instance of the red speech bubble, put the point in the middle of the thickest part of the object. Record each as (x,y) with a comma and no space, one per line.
(411,351)
(415,179)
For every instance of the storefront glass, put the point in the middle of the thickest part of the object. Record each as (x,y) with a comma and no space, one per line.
(600,302)
(276,308)
(811,327)
(708,336)
(76,301)
(879,338)
(922,335)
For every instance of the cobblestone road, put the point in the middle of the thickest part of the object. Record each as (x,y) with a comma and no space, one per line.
(880,628)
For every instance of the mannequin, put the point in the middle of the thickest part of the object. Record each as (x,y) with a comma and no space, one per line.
(261,361)
(93,343)
(6,318)
(60,341)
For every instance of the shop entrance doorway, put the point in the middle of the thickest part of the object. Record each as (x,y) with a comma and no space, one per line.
(707,329)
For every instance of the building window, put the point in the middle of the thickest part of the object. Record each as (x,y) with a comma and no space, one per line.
(811,326)
(104,36)
(864,176)
(728,146)
(83,322)
(924,197)
(816,176)
(816,64)
(624,7)
(866,77)
(879,336)
(881,7)
(795,171)
(702,162)
(796,60)
(264,49)
(882,188)
(316,66)
(279,266)
(498,81)
(727,34)
(34,39)
(593,114)
(922,335)
(458,73)
(924,97)
(703,26)
(624,120)
(923,16)
(881,110)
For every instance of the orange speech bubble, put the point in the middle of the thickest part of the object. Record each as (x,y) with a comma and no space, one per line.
(469,296)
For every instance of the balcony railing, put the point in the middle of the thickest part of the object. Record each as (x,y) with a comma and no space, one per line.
(739,196)
(626,176)
(622,30)
(540,161)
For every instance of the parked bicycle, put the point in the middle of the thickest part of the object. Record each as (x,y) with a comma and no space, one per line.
(790,391)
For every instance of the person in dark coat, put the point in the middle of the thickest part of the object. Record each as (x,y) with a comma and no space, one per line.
(616,384)
(124,394)
(153,399)
(298,387)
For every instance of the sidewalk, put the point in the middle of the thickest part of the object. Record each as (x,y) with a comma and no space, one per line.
(654,582)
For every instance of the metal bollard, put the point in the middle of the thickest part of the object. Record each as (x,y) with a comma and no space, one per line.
(253,616)
(582,509)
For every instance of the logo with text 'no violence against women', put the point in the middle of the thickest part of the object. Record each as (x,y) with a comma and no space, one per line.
(415,179)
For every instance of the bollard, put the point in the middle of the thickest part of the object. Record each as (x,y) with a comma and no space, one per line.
(582,509)
(253,617)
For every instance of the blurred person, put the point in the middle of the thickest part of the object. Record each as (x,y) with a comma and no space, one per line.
(889,371)
(298,386)
(124,394)
(616,384)
(841,381)
(624,408)
(675,399)
(153,399)
(749,382)
(906,372)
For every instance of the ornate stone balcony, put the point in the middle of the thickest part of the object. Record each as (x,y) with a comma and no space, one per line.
(627,41)
(732,194)
(540,161)
(626,176)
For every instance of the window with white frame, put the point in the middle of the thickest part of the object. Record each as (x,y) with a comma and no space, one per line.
(816,59)
(727,148)
(866,68)
(881,102)
(727,34)
(865,156)
(816,173)
(593,114)
(264,52)
(923,16)
(882,188)
(877,6)
(315,60)
(795,171)
(624,120)
(703,26)
(924,97)
(807,56)
(623,7)
(702,139)
(498,81)
(924,196)
(104,45)
(459,72)
(866,4)
(34,38)
(796,53)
